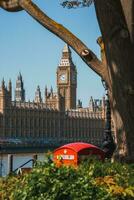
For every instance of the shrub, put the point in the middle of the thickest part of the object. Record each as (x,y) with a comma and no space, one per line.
(91,180)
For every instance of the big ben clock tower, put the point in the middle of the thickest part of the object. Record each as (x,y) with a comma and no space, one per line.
(67,80)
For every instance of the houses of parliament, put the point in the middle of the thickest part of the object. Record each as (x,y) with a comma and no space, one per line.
(54,119)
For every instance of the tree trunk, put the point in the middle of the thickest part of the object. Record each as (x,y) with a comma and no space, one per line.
(118,36)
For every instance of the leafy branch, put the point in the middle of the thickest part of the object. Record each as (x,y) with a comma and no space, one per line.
(76,3)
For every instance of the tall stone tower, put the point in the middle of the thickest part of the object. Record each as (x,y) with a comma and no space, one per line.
(19,91)
(67,80)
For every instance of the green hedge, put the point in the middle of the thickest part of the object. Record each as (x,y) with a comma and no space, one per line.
(91,180)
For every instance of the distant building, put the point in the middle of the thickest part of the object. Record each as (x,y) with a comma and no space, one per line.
(19,91)
(56,119)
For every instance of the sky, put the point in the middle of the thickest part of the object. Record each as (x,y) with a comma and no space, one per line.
(27,47)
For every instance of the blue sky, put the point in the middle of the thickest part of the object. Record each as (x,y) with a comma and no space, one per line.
(27,47)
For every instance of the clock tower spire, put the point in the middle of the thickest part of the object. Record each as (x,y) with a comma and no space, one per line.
(67,79)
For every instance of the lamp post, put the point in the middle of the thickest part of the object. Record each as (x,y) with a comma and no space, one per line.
(108,144)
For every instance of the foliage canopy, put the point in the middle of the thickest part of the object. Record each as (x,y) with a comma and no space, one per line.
(91,180)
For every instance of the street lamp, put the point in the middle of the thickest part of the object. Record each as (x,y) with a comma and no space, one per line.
(108,144)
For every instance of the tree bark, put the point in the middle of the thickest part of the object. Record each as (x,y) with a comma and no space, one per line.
(116,23)
(11,5)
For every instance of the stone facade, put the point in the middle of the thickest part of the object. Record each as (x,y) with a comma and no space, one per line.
(56,119)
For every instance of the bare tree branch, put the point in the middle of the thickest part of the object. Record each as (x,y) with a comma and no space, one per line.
(81,49)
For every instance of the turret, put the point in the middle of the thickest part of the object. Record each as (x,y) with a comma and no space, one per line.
(10,88)
(5,97)
(45,91)
(3,84)
(38,98)
(79,104)
(51,91)
(19,91)
(91,104)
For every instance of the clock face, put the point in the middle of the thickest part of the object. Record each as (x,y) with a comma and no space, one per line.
(63,77)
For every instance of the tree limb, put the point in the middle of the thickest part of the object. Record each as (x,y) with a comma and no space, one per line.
(80,48)
(10,5)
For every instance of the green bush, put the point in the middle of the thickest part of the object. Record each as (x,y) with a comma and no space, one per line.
(91,180)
